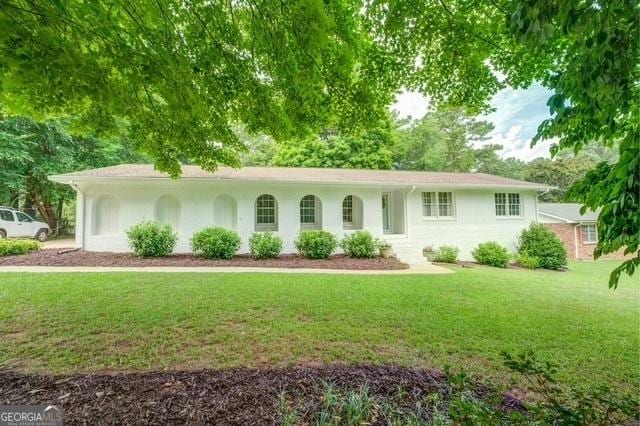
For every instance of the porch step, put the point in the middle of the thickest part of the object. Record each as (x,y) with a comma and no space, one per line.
(406,250)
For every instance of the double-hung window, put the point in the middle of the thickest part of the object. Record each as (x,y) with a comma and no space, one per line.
(508,204)
(308,209)
(437,204)
(589,233)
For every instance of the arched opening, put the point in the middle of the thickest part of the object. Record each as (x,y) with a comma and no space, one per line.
(310,212)
(352,212)
(225,212)
(106,212)
(167,211)
(266,213)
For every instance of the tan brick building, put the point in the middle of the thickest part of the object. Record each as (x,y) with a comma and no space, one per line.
(579,233)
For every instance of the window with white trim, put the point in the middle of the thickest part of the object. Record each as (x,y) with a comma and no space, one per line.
(347,210)
(508,204)
(590,233)
(266,213)
(437,204)
(308,209)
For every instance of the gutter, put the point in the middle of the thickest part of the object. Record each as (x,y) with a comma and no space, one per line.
(406,210)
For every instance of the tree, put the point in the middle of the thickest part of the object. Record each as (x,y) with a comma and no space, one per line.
(440,141)
(561,172)
(369,150)
(30,151)
(488,161)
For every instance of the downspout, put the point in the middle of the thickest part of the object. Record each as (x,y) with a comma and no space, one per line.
(575,241)
(82,214)
(406,210)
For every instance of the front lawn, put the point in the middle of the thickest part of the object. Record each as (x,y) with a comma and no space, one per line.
(143,321)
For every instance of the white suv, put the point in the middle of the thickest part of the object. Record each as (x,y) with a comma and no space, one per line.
(17,224)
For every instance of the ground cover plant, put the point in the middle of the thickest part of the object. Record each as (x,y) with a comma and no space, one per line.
(15,247)
(151,239)
(132,321)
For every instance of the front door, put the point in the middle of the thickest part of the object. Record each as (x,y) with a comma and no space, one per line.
(386,213)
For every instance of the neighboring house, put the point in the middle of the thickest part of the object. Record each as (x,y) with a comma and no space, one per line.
(408,209)
(578,232)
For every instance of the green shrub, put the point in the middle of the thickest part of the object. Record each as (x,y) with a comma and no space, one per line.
(491,253)
(359,244)
(15,247)
(265,245)
(447,254)
(150,239)
(215,243)
(539,241)
(525,260)
(316,244)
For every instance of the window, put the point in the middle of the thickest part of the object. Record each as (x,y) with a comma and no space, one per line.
(266,213)
(308,209)
(437,204)
(347,210)
(590,233)
(507,204)
(6,215)
(23,217)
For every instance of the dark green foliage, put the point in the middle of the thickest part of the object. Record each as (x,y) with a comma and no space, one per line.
(316,244)
(15,247)
(215,243)
(447,254)
(528,261)
(150,239)
(359,244)
(491,253)
(540,242)
(265,245)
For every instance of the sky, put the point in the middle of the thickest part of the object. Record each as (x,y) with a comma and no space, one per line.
(516,118)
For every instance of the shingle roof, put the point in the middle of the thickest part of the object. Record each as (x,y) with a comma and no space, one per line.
(310,175)
(568,211)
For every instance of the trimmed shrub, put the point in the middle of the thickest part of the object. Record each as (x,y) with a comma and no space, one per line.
(15,247)
(447,254)
(359,244)
(491,253)
(215,243)
(265,245)
(150,239)
(316,244)
(539,241)
(525,260)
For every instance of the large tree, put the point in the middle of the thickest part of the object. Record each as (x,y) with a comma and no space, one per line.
(178,73)
(30,151)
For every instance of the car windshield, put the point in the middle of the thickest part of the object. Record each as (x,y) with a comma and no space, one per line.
(23,217)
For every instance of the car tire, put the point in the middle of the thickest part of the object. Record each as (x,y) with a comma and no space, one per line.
(3,234)
(42,235)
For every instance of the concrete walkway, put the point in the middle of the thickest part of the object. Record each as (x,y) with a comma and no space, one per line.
(425,268)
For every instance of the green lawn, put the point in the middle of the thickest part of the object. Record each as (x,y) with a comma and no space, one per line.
(138,321)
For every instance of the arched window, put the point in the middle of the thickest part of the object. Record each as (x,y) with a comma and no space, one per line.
(106,212)
(266,213)
(225,212)
(352,212)
(310,212)
(167,211)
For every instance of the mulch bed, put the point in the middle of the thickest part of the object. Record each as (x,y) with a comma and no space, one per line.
(53,257)
(229,397)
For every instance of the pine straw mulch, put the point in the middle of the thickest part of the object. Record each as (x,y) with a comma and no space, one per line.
(228,397)
(55,257)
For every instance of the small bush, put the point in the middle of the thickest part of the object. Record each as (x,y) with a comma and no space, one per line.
(447,254)
(316,244)
(359,244)
(15,247)
(540,242)
(525,260)
(215,243)
(150,239)
(491,253)
(265,245)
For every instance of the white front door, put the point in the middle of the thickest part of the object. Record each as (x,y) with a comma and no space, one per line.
(386,213)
